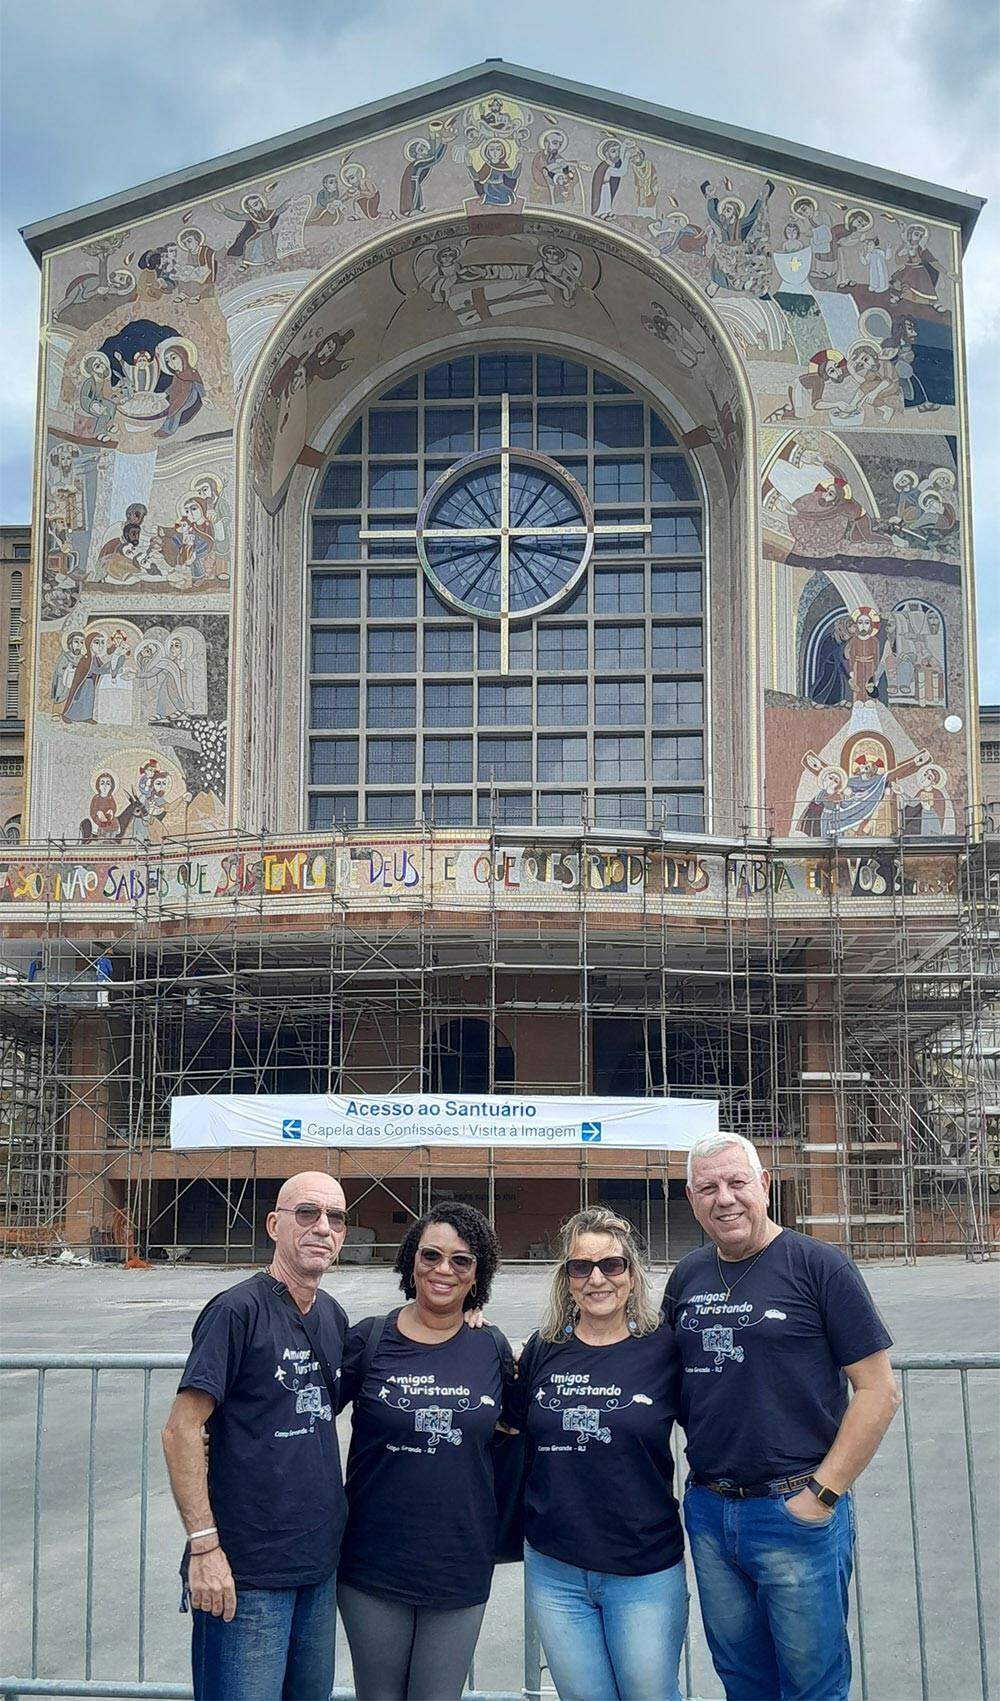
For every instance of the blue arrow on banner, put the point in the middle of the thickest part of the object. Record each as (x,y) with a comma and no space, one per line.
(590,1133)
(291,1128)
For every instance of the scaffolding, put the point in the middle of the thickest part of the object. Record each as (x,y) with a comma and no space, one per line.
(857,1046)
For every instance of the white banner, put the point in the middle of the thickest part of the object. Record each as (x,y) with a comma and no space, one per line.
(217,1120)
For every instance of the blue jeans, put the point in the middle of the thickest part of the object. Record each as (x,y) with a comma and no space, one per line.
(279,1647)
(608,1638)
(774,1595)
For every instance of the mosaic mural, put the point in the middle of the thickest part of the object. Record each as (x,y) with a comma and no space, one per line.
(468,873)
(843,316)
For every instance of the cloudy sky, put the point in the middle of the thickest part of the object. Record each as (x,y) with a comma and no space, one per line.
(102,95)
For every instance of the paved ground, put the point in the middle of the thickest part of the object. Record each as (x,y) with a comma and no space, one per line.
(942,1305)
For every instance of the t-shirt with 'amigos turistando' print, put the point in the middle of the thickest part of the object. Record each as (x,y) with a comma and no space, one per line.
(274,1477)
(422,1518)
(763,1343)
(600,1485)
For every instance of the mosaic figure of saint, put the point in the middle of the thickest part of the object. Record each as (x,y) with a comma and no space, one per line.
(209,491)
(495,179)
(847,239)
(819,816)
(120,559)
(360,191)
(794,261)
(556,179)
(65,499)
(255,240)
(159,681)
(185,386)
(96,404)
(819,389)
(917,272)
(422,154)
(196,265)
(917,368)
(81,698)
(869,807)
(829,520)
(876,395)
(101,820)
(740,257)
(860,635)
(65,668)
(329,202)
(607,178)
(645,179)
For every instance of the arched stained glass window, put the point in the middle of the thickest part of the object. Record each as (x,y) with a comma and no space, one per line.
(506,606)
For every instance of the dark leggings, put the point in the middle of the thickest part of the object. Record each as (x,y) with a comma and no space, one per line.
(407,1653)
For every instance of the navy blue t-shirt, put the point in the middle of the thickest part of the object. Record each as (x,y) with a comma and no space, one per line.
(422,1520)
(274,1477)
(599,1492)
(763,1392)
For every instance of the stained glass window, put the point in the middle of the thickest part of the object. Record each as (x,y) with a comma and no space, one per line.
(421,700)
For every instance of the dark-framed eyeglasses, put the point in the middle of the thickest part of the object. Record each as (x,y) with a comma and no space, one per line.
(463,1263)
(581,1269)
(307,1216)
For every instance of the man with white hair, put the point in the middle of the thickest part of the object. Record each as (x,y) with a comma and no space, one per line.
(772,1326)
(265,1520)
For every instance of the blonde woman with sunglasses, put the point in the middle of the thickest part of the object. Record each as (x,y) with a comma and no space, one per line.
(597,1393)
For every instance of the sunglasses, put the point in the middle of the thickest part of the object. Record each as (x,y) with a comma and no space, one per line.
(581,1269)
(463,1263)
(307,1216)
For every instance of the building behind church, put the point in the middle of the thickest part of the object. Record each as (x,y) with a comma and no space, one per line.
(15,568)
(501,618)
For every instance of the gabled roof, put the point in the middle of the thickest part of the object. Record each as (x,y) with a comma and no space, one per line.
(494,76)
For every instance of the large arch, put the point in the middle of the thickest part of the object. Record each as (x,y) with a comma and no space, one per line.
(435,289)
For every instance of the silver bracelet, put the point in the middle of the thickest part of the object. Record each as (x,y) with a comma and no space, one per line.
(195,1534)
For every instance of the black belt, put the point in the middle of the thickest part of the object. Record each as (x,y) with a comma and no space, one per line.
(753,1490)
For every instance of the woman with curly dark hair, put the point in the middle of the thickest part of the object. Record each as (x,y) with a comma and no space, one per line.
(417,1559)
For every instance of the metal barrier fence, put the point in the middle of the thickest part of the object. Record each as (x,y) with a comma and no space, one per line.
(94,1365)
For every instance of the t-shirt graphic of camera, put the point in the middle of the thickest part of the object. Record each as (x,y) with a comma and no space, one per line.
(436,1423)
(719,1339)
(584,1423)
(295,1373)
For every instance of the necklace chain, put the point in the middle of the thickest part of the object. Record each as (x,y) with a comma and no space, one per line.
(729,1286)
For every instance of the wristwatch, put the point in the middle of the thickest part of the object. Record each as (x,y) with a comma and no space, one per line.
(826,1496)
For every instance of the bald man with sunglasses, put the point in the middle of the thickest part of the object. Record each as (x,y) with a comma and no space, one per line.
(265,1515)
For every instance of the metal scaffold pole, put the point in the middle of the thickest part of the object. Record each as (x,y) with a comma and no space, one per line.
(858,1046)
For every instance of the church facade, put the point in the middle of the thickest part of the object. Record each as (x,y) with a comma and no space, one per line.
(510,498)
